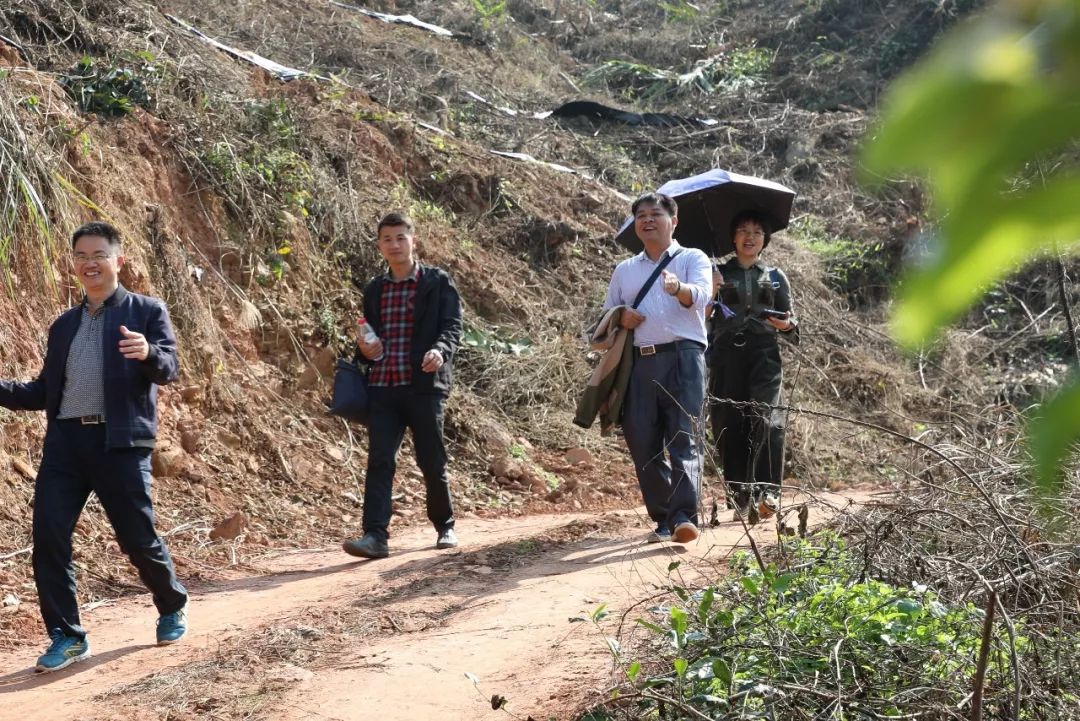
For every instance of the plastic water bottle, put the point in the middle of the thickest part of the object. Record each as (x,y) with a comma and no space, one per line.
(367,333)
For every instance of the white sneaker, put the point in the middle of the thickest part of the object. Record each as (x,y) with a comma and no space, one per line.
(768,505)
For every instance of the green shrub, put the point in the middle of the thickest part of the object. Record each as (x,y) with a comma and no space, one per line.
(813,639)
(262,161)
(490,12)
(679,11)
(110,89)
(856,269)
(636,81)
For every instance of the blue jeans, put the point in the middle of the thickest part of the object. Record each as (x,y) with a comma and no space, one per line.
(74,463)
(662,419)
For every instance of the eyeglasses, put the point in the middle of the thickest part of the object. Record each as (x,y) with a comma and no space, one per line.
(750,232)
(96,257)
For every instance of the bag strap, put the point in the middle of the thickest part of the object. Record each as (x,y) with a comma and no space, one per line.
(652,278)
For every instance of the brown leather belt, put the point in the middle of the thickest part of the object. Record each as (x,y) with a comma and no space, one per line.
(87,420)
(647,350)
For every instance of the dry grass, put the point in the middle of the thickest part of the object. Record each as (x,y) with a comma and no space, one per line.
(34,208)
(355,149)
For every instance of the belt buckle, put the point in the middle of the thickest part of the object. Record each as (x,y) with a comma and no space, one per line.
(91,420)
(647,350)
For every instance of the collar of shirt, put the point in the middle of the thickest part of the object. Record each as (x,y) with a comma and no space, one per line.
(389,276)
(643,256)
(734,262)
(113,299)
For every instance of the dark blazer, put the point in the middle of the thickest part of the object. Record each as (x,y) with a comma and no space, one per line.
(436,324)
(130,385)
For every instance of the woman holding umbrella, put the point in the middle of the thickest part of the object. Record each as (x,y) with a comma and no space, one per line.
(746,371)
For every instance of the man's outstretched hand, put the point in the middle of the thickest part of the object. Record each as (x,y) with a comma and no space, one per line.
(133,346)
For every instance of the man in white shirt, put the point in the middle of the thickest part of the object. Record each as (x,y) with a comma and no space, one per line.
(664,405)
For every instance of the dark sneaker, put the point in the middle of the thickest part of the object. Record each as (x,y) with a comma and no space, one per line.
(62,652)
(366,547)
(171,627)
(685,532)
(447,539)
(740,501)
(662,534)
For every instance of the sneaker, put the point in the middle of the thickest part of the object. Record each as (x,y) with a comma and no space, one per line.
(768,505)
(685,532)
(747,514)
(662,534)
(447,539)
(752,515)
(740,502)
(62,652)
(171,627)
(367,547)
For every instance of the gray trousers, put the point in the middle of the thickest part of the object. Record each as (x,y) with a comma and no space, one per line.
(662,419)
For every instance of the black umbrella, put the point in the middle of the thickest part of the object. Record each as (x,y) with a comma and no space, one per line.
(707,204)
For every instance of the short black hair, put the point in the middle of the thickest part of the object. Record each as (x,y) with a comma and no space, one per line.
(396,219)
(99,228)
(664,201)
(755,216)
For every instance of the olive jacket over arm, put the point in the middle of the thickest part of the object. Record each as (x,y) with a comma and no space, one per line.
(604,394)
(130,385)
(436,325)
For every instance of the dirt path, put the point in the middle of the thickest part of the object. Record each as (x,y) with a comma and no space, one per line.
(319,635)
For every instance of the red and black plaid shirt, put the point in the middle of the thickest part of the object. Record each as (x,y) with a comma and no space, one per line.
(396,310)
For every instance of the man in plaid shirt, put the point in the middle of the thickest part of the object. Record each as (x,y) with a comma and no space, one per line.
(415,311)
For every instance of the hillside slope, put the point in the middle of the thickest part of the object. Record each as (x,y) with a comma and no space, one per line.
(249,205)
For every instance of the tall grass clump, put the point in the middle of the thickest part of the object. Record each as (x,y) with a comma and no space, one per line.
(27,187)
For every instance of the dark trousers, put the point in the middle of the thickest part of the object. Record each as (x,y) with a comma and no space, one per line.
(392,410)
(749,438)
(662,418)
(74,463)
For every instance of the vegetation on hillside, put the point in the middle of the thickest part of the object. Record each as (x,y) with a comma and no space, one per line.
(989,118)
(249,204)
(958,601)
(816,633)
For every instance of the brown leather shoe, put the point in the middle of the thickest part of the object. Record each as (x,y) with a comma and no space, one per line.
(685,532)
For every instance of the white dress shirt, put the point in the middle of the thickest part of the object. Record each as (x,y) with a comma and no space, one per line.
(666,319)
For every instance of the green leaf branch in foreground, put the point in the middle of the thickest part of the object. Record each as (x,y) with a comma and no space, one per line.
(816,640)
(997,96)
(1052,435)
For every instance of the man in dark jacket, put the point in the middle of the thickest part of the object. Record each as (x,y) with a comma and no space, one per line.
(415,311)
(104,361)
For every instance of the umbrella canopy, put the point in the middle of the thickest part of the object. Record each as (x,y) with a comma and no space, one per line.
(707,204)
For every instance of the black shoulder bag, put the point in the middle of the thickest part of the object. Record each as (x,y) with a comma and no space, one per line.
(350,399)
(652,278)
